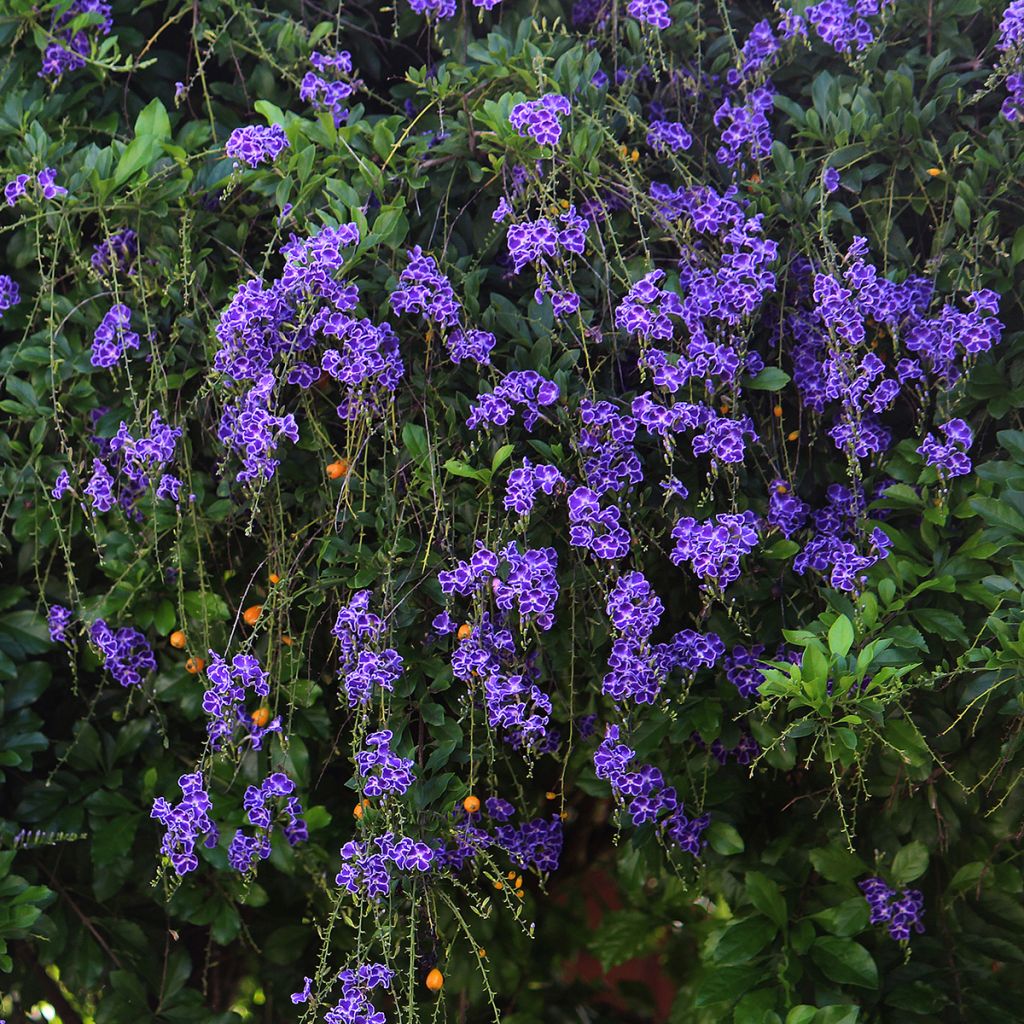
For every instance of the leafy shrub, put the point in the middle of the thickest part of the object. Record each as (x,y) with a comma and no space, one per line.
(541,452)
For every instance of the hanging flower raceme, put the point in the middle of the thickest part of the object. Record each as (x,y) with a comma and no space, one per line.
(366,665)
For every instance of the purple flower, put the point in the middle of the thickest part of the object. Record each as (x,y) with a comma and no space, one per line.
(116,252)
(650,12)
(124,652)
(10,294)
(329,85)
(186,823)
(669,135)
(949,457)
(59,619)
(714,547)
(46,179)
(539,118)
(113,337)
(831,179)
(257,144)
(899,913)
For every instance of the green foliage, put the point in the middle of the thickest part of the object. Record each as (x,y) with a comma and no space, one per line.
(889,745)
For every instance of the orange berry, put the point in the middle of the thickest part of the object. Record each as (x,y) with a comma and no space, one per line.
(724,410)
(251,614)
(777,412)
(357,811)
(286,640)
(755,178)
(194,665)
(564,204)
(793,435)
(511,875)
(336,470)
(482,953)
(274,578)
(499,884)
(435,980)
(465,631)
(635,155)
(550,796)
(471,804)
(519,881)
(520,894)
(260,717)
(933,172)
(177,639)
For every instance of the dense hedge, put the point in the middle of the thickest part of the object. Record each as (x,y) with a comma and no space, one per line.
(566,459)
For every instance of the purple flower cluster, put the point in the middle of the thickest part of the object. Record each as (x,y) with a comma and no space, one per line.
(668,135)
(841,24)
(439,9)
(900,914)
(381,769)
(367,872)
(248,427)
(648,795)
(525,482)
(354,1006)
(365,665)
(329,84)
(186,824)
(950,456)
(10,294)
(833,550)
(512,700)
(257,144)
(539,118)
(224,698)
(714,547)
(637,667)
(1011,39)
(536,844)
(424,289)
(746,129)
(115,253)
(650,12)
(785,510)
(45,181)
(597,529)
(70,48)
(58,618)
(535,241)
(125,653)
(244,850)
(526,389)
(113,337)
(531,583)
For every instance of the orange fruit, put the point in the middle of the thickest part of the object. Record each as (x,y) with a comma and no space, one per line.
(435,980)
(465,631)
(550,796)
(471,804)
(336,470)
(793,435)
(286,640)
(777,412)
(260,717)
(934,172)
(357,811)
(252,614)
(194,665)
(499,884)
(274,578)
(177,639)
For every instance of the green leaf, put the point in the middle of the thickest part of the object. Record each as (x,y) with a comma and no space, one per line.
(836,864)
(802,1014)
(998,513)
(621,936)
(153,121)
(501,456)
(837,1015)
(846,919)
(910,863)
(726,984)
(139,153)
(845,962)
(765,895)
(771,378)
(724,839)
(840,636)
(457,468)
(743,940)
